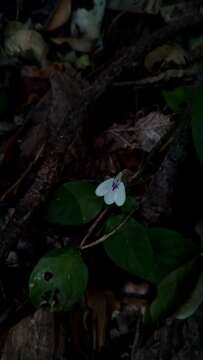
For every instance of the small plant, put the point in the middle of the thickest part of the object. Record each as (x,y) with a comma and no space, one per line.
(161,256)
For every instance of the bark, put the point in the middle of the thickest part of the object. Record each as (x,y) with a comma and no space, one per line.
(175,340)
(34,338)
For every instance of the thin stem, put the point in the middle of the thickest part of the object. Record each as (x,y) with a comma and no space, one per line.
(138,334)
(106,236)
(91,229)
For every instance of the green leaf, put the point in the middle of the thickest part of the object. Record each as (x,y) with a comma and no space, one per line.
(193,302)
(173,290)
(170,250)
(58,280)
(74,203)
(148,253)
(197,121)
(130,247)
(176,97)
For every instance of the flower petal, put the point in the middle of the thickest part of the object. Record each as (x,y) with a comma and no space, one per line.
(120,195)
(104,187)
(109,197)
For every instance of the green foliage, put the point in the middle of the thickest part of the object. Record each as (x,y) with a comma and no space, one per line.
(176,98)
(174,289)
(170,250)
(197,121)
(74,203)
(150,254)
(193,302)
(58,280)
(130,247)
(161,256)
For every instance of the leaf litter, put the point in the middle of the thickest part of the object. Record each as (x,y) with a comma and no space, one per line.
(60,126)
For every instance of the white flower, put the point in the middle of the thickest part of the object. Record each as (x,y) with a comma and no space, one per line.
(113,191)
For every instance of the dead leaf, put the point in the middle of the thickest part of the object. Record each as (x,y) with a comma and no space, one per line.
(120,145)
(61,15)
(26,43)
(96,300)
(176,56)
(151,129)
(102,304)
(144,134)
(163,55)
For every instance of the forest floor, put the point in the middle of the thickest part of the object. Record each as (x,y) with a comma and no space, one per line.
(90,90)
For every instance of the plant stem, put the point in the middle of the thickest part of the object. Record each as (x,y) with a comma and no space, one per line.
(106,236)
(91,229)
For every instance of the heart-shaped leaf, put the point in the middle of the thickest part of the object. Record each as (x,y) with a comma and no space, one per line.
(170,250)
(174,289)
(130,247)
(59,279)
(74,203)
(148,253)
(193,302)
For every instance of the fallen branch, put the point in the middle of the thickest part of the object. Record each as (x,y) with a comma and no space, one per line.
(62,137)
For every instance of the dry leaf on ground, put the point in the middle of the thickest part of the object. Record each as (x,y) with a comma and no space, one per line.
(61,15)
(163,55)
(97,302)
(24,42)
(144,134)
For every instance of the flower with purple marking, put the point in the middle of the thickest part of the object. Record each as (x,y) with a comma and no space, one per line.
(113,191)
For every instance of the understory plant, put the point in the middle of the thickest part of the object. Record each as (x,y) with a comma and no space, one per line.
(161,256)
